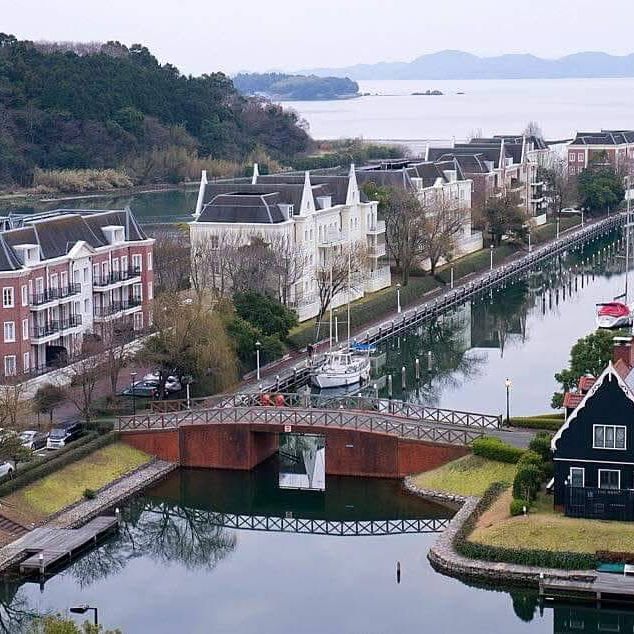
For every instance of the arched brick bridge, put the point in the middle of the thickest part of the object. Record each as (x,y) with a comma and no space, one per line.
(375,438)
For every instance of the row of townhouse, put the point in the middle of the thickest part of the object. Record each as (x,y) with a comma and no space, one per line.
(613,147)
(64,274)
(317,216)
(501,163)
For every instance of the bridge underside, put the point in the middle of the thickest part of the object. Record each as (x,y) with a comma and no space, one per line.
(349,452)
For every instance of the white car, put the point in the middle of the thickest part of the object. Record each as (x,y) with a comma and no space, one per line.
(172,384)
(7,469)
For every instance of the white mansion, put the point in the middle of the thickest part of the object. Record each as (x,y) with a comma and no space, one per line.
(317,216)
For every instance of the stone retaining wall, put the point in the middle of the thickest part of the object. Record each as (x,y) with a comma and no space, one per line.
(444,558)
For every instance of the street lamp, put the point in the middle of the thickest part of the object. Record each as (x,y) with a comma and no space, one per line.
(82,609)
(491,256)
(530,248)
(507,385)
(376,391)
(398,299)
(133,379)
(257,360)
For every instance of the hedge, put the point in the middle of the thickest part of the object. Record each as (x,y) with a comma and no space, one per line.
(541,445)
(493,448)
(524,557)
(37,469)
(527,481)
(518,506)
(537,422)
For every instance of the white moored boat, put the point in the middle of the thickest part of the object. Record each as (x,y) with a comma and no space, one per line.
(340,369)
(613,315)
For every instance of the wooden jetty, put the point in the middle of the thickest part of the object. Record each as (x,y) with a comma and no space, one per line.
(45,547)
(600,587)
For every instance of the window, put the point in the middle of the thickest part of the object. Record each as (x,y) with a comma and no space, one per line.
(137,292)
(53,281)
(580,157)
(137,263)
(609,437)
(85,274)
(138,321)
(26,361)
(573,157)
(64,278)
(86,306)
(9,331)
(577,476)
(9,365)
(150,290)
(214,242)
(609,479)
(95,272)
(7,297)
(149,261)
(25,295)
(25,329)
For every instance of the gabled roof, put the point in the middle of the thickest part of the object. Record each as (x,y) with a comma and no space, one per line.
(244,207)
(609,374)
(604,137)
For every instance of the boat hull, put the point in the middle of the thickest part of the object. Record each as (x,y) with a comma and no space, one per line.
(614,322)
(324,378)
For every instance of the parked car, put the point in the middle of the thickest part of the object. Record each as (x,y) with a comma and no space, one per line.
(172,384)
(7,469)
(144,389)
(64,433)
(33,439)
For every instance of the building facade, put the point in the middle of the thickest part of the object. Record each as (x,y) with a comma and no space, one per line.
(314,216)
(612,147)
(67,273)
(441,187)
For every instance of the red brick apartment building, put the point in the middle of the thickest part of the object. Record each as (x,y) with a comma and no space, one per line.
(64,274)
(588,147)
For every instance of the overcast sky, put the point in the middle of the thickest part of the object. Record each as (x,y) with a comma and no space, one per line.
(230,35)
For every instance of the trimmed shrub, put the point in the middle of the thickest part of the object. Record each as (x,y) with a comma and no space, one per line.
(495,449)
(524,557)
(90,494)
(537,422)
(541,445)
(39,468)
(530,458)
(527,482)
(517,506)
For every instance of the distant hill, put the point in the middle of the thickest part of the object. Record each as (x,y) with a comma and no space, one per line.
(64,105)
(283,87)
(460,65)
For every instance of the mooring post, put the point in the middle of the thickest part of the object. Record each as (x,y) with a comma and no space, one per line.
(403,378)
(40,559)
(417,364)
(429,361)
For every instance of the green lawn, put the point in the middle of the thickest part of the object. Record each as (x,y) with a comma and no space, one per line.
(57,490)
(544,529)
(470,475)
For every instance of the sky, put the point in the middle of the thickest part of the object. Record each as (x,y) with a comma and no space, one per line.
(201,36)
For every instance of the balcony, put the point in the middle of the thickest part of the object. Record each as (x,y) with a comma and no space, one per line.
(333,239)
(377,279)
(54,294)
(115,277)
(116,308)
(52,329)
(376,250)
(376,228)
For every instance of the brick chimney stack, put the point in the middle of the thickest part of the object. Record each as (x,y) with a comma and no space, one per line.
(622,350)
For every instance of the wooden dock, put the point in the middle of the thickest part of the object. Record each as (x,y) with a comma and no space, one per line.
(45,547)
(601,587)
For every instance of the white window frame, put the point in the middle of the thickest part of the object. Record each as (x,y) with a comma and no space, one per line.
(11,337)
(583,475)
(53,281)
(137,262)
(8,297)
(24,291)
(25,329)
(26,361)
(137,321)
(614,428)
(14,371)
(150,264)
(608,471)
(150,291)
(580,157)
(573,157)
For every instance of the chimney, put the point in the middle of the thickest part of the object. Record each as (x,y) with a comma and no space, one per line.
(622,350)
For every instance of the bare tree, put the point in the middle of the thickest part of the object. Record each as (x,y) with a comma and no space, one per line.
(443,221)
(83,376)
(116,335)
(172,260)
(341,264)
(404,230)
(533,129)
(253,267)
(14,407)
(560,188)
(290,262)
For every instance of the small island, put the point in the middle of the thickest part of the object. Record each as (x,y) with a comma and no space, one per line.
(428,93)
(282,87)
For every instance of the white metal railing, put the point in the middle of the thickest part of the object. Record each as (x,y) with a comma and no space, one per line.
(377,227)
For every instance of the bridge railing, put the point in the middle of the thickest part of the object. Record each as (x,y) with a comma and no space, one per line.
(296,417)
(400,409)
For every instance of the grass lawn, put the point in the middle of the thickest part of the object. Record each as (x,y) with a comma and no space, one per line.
(470,475)
(59,489)
(544,529)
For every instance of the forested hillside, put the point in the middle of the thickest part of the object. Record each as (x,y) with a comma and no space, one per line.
(108,105)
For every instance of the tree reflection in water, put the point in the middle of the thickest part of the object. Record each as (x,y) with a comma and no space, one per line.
(165,533)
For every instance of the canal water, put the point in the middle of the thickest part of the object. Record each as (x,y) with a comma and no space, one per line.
(523,331)
(179,565)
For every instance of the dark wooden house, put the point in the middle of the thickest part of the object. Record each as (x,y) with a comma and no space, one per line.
(594,451)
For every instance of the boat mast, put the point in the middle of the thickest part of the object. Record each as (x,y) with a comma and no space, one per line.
(349,267)
(331,298)
(627,240)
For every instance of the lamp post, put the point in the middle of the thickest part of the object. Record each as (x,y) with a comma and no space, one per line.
(557,227)
(257,360)
(133,379)
(530,247)
(491,249)
(507,385)
(82,609)
(376,391)
(398,298)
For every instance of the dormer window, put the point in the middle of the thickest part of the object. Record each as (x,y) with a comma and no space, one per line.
(114,234)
